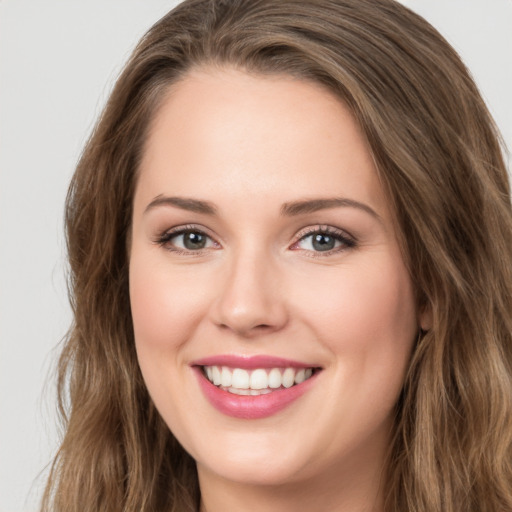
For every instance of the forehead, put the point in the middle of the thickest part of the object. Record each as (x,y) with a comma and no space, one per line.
(235,135)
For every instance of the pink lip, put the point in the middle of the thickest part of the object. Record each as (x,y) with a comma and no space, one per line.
(250,362)
(247,406)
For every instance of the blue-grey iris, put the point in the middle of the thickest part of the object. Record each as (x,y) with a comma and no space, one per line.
(323,242)
(193,240)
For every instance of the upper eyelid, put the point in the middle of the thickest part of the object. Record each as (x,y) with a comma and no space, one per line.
(178,230)
(331,230)
(164,236)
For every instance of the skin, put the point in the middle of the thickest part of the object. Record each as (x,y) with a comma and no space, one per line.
(249,144)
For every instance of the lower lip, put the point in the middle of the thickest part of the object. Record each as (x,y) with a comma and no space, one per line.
(251,407)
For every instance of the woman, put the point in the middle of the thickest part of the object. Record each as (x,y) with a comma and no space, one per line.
(290,240)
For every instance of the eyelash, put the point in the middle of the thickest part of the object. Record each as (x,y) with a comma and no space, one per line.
(164,239)
(347,241)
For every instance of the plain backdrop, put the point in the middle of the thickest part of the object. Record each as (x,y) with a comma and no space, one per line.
(58,62)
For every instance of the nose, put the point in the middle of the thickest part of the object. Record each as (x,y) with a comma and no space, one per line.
(251,300)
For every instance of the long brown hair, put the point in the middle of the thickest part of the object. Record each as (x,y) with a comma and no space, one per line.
(439,158)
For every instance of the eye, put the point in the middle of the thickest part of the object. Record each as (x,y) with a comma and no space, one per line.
(186,240)
(324,240)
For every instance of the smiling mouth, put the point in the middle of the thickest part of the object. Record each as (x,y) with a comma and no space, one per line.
(258,381)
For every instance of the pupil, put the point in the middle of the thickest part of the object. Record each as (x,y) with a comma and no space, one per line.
(194,241)
(323,242)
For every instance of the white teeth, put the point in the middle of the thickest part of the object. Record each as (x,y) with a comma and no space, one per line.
(216,375)
(288,377)
(256,382)
(300,376)
(240,379)
(274,378)
(237,391)
(225,377)
(255,392)
(259,379)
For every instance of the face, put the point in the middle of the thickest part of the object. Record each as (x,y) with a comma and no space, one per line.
(272,310)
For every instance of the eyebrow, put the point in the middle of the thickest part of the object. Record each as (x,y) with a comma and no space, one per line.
(290,209)
(185,203)
(313,205)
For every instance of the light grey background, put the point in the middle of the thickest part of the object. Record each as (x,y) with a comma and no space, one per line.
(58,61)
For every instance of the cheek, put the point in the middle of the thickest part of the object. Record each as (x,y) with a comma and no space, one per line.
(165,310)
(372,302)
(165,305)
(367,319)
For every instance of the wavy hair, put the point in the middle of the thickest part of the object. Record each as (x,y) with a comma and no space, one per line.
(439,158)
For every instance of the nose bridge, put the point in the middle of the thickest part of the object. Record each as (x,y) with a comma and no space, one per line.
(250,298)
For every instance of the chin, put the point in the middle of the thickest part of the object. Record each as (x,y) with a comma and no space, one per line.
(253,461)
(254,471)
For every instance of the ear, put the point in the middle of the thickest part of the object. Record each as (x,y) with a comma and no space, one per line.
(425,317)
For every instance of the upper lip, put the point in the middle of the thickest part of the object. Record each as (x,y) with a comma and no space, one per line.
(250,362)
